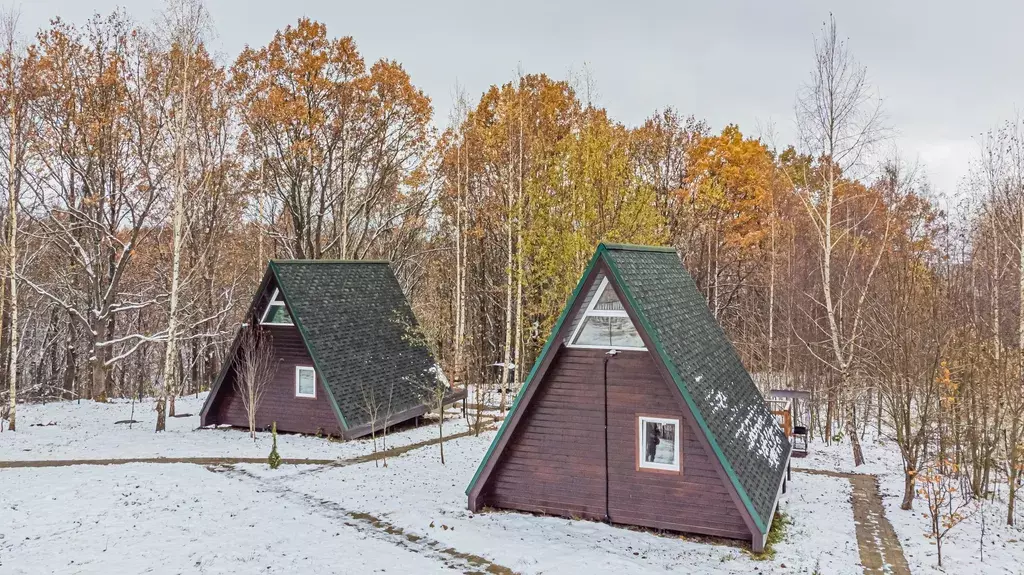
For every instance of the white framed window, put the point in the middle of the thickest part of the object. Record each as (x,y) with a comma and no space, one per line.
(305,382)
(659,443)
(276,313)
(605,324)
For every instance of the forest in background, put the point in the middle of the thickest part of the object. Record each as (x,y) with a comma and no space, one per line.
(148,182)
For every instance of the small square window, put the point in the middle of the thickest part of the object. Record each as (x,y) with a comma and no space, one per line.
(305,382)
(659,443)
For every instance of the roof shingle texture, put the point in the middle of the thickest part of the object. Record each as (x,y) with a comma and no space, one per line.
(708,368)
(361,333)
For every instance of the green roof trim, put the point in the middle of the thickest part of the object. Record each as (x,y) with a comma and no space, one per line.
(636,248)
(305,339)
(308,262)
(678,380)
(536,365)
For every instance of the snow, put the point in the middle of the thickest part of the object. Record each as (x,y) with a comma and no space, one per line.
(173,518)
(419,494)
(665,452)
(1004,550)
(362,518)
(87,430)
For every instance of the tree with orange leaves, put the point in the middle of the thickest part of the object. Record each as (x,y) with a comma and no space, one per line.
(727,196)
(340,147)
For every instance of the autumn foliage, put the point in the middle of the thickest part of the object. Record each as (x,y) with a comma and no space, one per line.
(832,265)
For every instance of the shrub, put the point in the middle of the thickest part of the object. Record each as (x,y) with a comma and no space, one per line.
(274,460)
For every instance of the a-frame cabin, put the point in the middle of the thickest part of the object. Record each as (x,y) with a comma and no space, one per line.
(639,411)
(346,352)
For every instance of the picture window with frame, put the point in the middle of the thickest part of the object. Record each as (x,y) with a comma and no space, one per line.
(605,323)
(276,312)
(659,443)
(305,382)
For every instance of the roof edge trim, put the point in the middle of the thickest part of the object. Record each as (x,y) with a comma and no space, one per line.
(536,364)
(305,340)
(686,396)
(365,262)
(638,248)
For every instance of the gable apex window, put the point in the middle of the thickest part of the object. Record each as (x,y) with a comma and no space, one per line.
(605,324)
(305,382)
(276,313)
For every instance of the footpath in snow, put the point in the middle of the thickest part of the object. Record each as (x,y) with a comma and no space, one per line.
(961,548)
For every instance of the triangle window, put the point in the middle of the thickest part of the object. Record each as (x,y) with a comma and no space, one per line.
(605,324)
(276,312)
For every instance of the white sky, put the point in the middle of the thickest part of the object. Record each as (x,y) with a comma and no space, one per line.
(947,71)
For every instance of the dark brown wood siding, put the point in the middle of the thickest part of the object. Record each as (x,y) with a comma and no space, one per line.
(292,414)
(554,462)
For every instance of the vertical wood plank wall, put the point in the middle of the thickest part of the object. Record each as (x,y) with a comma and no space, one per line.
(292,414)
(554,463)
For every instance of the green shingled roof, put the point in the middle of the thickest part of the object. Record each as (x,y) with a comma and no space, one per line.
(708,371)
(704,366)
(360,332)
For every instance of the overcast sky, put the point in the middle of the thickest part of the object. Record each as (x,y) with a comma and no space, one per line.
(946,70)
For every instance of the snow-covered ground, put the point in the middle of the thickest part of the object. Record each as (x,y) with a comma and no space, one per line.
(87,430)
(174,518)
(961,548)
(409,517)
(419,494)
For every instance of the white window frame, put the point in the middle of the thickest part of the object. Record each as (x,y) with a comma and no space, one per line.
(591,312)
(274,303)
(298,371)
(642,441)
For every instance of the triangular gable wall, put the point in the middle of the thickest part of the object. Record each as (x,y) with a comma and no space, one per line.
(268,285)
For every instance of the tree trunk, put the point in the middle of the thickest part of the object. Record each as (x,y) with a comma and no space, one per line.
(505,371)
(70,363)
(1012,463)
(440,430)
(851,429)
(177,221)
(99,378)
(14,179)
(909,481)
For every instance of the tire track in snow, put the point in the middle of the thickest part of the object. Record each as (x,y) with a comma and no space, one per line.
(374,526)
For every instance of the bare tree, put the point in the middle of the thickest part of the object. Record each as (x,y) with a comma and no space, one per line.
(387,412)
(255,371)
(101,123)
(185,24)
(434,390)
(373,405)
(459,120)
(946,506)
(16,67)
(839,120)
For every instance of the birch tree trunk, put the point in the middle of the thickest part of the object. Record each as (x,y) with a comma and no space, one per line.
(12,265)
(460,268)
(186,20)
(519,255)
(839,120)
(505,371)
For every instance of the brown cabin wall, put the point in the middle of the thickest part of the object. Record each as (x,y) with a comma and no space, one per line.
(292,414)
(554,462)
